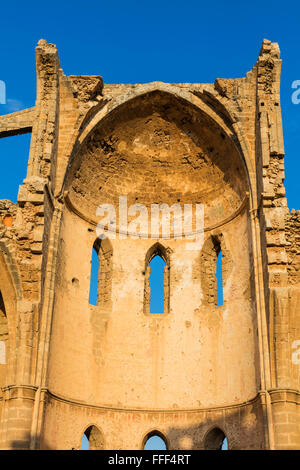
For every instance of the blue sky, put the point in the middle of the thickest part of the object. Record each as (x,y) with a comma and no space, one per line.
(136,42)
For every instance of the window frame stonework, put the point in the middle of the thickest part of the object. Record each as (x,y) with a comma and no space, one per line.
(157,250)
(104,252)
(213,245)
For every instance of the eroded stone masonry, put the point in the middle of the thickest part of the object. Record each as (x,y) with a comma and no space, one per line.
(115,371)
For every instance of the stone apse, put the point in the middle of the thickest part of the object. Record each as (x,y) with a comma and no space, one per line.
(115,371)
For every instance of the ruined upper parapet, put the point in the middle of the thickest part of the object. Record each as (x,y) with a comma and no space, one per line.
(269,49)
(65,106)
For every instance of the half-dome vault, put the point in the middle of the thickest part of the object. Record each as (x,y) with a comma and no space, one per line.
(158,148)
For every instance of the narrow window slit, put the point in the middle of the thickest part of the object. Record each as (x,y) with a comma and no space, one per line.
(157,280)
(92,439)
(94,279)
(219,277)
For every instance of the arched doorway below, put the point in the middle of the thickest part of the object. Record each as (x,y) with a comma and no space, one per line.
(155,440)
(92,439)
(215,440)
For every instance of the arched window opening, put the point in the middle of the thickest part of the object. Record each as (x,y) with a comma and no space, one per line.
(219,276)
(101,274)
(157,280)
(92,439)
(94,278)
(155,441)
(215,267)
(216,440)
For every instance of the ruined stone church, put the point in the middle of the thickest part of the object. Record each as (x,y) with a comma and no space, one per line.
(198,372)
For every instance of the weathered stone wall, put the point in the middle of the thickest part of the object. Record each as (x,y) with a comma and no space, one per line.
(293,246)
(198,371)
(127,429)
(199,338)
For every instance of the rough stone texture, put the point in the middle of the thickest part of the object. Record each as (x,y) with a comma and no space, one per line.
(114,371)
(16,123)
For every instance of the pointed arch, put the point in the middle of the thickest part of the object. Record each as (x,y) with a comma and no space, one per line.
(94,437)
(157,250)
(160,250)
(155,433)
(214,439)
(211,103)
(210,106)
